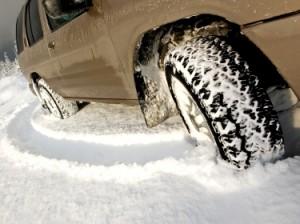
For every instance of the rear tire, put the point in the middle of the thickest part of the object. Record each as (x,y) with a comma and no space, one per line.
(54,103)
(236,111)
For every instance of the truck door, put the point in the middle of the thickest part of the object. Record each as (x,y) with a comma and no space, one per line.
(88,65)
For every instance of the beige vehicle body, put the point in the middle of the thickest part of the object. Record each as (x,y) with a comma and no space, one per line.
(94,56)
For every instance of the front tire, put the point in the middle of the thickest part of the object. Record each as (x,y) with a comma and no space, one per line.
(233,109)
(54,103)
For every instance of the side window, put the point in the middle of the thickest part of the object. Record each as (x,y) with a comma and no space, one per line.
(56,23)
(33,23)
(19,32)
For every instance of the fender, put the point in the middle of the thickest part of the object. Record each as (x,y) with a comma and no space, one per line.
(128,20)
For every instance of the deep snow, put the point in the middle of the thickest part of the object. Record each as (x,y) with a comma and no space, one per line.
(104,166)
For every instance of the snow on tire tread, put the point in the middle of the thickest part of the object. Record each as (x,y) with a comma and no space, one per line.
(239,110)
(67,108)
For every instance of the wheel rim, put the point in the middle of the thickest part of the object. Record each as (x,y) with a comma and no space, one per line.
(193,117)
(50,103)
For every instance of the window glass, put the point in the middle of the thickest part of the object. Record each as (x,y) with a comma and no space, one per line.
(33,23)
(19,32)
(28,27)
(56,23)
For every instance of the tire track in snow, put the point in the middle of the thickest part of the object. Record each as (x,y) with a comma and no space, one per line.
(24,137)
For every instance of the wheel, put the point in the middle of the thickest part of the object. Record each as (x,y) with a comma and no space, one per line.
(220,98)
(54,103)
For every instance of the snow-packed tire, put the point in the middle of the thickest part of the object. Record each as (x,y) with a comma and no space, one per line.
(54,103)
(236,109)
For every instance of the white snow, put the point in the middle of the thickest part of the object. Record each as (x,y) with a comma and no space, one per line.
(104,166)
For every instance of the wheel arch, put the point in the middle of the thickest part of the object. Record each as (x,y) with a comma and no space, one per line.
(35,76)
(33,84)
(152,89)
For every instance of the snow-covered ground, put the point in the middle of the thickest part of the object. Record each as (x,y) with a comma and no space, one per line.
(104,166)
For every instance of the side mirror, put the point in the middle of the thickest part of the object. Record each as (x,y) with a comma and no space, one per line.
(59,8)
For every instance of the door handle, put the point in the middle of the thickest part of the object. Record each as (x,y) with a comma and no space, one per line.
(51,45)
